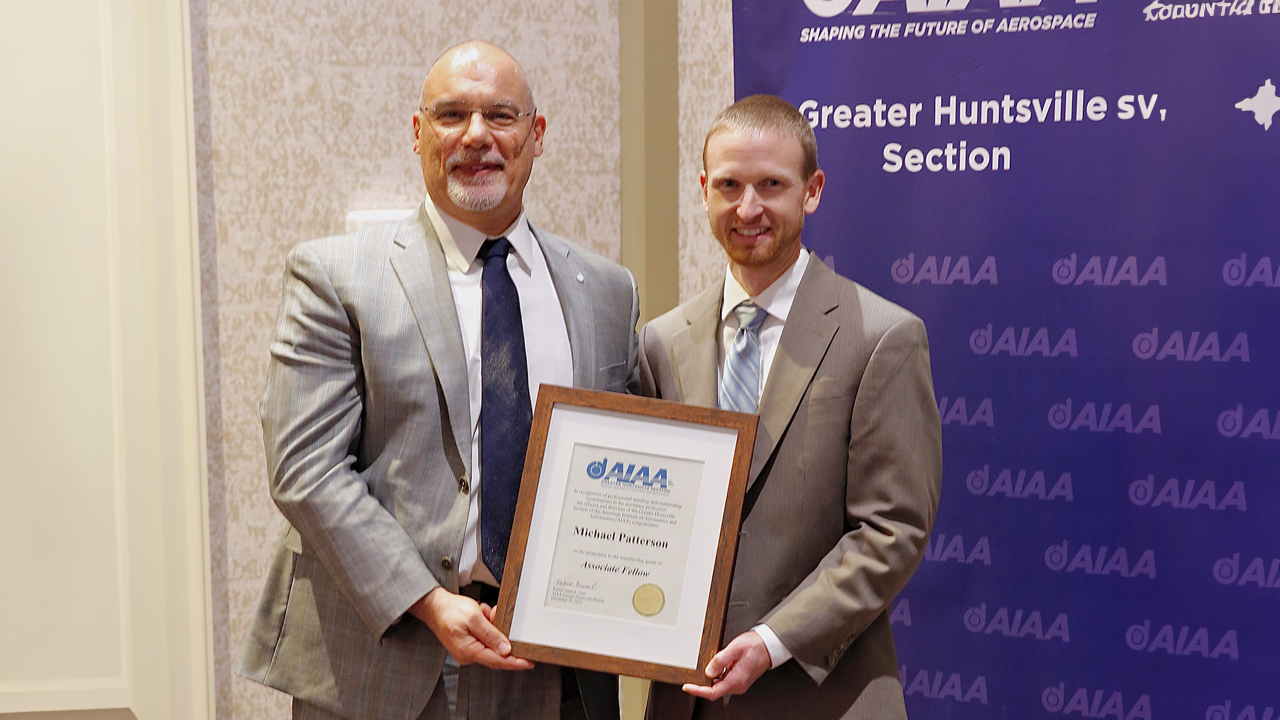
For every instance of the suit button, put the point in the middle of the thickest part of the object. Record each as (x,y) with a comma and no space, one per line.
(446,562)
(464,484)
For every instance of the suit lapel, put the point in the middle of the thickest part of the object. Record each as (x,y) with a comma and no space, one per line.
(571,277)
(804,342)
(694,348)
(420,267)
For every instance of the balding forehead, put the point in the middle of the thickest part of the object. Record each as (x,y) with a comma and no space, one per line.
(467,55)
(477,59)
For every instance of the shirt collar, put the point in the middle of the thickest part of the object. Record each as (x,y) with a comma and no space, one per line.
(775,299)
(461,242)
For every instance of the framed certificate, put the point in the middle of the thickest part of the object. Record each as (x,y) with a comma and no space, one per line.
(625,531)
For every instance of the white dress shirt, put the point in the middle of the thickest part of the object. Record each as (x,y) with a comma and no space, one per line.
(775,300)
(546,339)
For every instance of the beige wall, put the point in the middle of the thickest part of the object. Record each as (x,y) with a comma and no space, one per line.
(706,87)
(303,114)
(102,534)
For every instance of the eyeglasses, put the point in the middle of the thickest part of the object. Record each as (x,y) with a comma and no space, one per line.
(498,116)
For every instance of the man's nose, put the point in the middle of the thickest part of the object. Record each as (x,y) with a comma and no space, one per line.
(750,206)
(476,133)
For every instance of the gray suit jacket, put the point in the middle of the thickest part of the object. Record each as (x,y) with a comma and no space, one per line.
(368,441)
(843,491)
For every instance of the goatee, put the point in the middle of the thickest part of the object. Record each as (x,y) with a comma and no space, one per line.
(477,195)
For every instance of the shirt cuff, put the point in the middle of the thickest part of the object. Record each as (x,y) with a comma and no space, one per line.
(778,653)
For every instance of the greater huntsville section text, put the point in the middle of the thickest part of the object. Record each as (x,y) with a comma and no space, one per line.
(1064,106)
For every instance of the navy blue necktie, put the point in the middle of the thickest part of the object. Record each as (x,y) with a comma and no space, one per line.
(505,411)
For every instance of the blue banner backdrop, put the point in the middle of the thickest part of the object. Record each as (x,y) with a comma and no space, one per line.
(1082,200)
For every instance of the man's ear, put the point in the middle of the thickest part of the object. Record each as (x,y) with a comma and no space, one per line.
(417,134)
(539,129)
(702,179)
(813,192)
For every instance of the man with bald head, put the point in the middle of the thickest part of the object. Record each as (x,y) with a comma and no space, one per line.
(399,398)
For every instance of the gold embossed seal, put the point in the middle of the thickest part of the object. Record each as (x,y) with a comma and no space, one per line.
(648,600)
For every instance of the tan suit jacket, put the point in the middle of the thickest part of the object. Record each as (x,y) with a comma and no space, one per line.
(843,491)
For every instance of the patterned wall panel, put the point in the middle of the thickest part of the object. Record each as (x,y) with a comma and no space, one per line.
(706,87)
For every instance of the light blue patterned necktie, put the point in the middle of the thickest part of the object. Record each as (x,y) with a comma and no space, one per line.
(740,384)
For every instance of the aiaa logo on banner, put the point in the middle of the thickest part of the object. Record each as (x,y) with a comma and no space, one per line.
(904,271)
(827,8)
(975,621)
(831,8)
(1223,712)
(1233,273)
(1138,637)
(1054,699)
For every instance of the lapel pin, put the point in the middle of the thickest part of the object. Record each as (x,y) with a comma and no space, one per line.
(580,279)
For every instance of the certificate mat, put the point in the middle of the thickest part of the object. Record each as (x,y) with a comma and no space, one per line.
(626,526)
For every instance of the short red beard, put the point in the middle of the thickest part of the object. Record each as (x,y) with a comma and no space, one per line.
(761,254)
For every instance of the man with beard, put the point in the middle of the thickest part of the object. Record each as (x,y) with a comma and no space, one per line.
(847,468)
(397,411)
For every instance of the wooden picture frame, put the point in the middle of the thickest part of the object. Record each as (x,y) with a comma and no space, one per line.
(556,621)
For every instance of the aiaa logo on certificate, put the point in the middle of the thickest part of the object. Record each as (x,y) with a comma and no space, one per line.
(624,474)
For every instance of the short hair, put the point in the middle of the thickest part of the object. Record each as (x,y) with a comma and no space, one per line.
(762,113)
